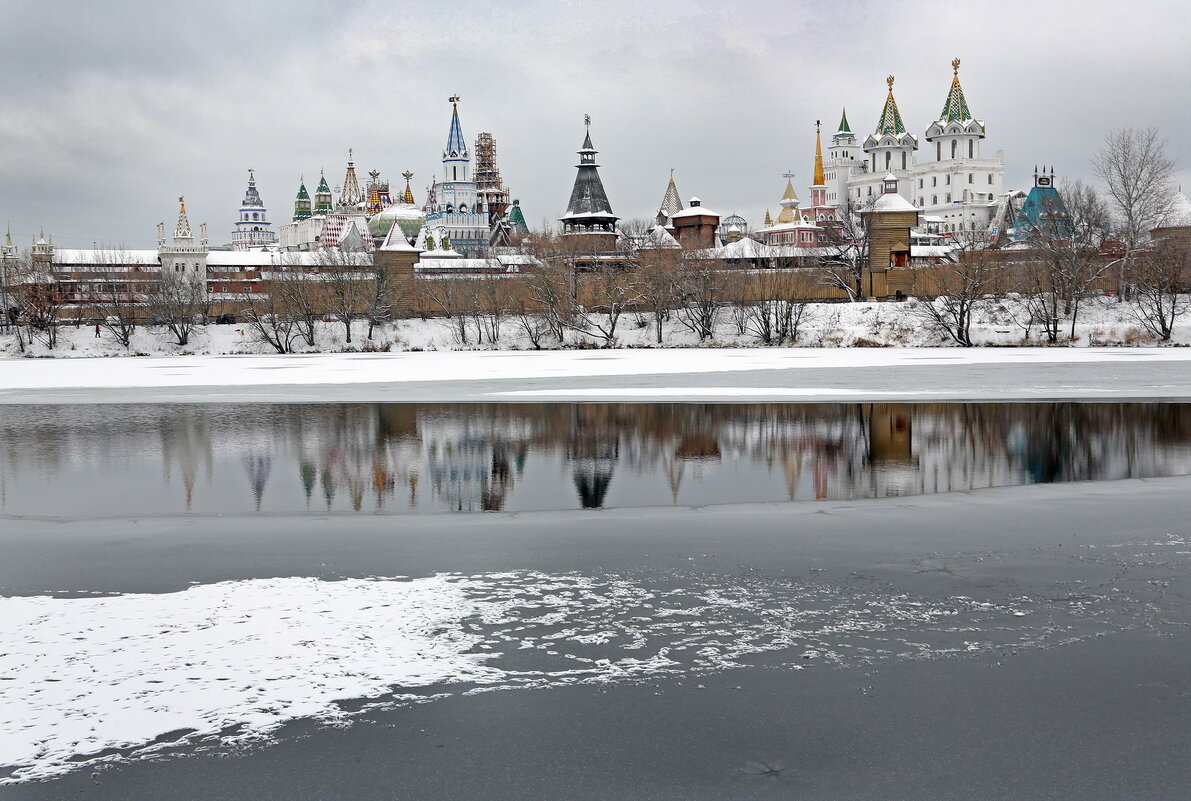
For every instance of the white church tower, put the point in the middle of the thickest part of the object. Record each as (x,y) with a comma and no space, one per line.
(252,228)
(181,259)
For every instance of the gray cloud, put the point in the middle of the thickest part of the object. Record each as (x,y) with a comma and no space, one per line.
(112,110)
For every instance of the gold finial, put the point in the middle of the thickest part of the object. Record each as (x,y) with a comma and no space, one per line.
(889,81)
(955,66)
(181,203)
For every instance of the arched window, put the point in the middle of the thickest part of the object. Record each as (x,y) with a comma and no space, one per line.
(971,178)
(990,179)
(934,200)
(874,162)
(971,147)
(948,197)
(903,159)
(255,216)
(888,158)
(938,151)
(953,144)
(463,208)
(454,173)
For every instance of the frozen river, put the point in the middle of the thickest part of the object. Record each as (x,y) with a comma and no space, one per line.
(594,601)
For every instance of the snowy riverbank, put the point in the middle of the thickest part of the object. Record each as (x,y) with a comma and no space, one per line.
(1102,322)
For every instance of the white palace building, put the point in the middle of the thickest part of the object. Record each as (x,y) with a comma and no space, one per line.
(958,186)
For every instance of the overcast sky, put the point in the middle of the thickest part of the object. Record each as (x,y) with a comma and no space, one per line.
(109,111)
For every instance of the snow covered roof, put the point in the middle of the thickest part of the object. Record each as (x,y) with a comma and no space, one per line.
(931,251)
(395,241)
(1179,213)
(587,214)
(798,224)
(659,238)
(892,201)
(112,256)
(694,211)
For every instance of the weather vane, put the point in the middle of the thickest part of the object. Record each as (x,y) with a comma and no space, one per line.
(453,99)
(587,120)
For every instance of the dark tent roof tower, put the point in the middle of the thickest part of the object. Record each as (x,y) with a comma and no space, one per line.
(589,212)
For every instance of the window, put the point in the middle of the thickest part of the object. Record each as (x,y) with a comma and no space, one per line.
(874,162)
(990,179)
(938,151)
(934,180)
(920,203)
(255,216)
(888,158)
(949,180)
(919,183)
(903,159)
(948,197)
(953,144)
(971,147)
(971,178)
(870,191)
(247,287)
(934,200)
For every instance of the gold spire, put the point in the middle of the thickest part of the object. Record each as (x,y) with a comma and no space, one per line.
(181,205)
(820,179)
(408,197)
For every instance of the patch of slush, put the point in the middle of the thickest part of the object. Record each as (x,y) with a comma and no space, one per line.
(89,680)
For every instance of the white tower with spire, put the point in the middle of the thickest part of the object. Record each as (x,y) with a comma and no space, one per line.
(252,228)
(182,259)
(454,203)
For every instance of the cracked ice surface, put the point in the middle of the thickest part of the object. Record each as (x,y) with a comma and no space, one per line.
(95,679)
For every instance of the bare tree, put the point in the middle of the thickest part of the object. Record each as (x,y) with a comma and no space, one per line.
(1066,244)
(846,259)
(550,285)
(775,303)
(39,297)
(301,295)
(1161,280)
(117,298)
(270,322)
(1138,175)
(656,275)
(703,285)
(347,280)
(610,291)
(180,303)
(952,292)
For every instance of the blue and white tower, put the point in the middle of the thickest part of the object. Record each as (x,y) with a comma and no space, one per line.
(457,208)
(252,229)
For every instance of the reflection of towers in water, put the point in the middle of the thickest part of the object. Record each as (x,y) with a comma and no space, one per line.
(593,450)
(470,457)
(186,440)
(893,468)
(695,447)
(257,466)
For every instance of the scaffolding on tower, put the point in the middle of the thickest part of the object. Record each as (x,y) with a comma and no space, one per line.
(491,193)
